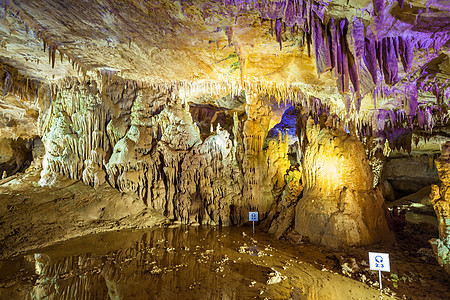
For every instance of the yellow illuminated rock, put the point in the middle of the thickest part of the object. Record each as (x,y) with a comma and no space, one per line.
(338,192)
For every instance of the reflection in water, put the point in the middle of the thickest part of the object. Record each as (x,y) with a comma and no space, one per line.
(171,263)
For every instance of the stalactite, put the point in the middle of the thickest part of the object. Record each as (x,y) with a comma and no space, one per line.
(355,79)
(342,60)
(321,47)
(40,32)
(411,94)
(278,32)
(406,50)
(378,6)
(390,64)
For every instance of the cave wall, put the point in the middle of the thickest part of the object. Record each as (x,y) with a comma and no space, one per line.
(144,142)
(409,174)
(388,72)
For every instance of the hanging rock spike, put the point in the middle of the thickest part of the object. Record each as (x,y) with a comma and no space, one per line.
(50,50)
(278,32)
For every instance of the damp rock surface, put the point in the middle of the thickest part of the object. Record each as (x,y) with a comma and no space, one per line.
(409,174)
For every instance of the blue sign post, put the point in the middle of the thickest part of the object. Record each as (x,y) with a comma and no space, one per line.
(253,216)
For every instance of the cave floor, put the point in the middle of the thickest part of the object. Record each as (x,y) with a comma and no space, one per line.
(78,241)
(415,273)
(173,263)
(32,216)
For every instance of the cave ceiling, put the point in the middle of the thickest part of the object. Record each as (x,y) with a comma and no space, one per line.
(357,56)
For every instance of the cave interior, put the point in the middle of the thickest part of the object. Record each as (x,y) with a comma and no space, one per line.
(330,118)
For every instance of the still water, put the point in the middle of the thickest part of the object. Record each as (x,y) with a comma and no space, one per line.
(173,263)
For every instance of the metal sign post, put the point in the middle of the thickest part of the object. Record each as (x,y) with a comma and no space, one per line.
(381,285)
(379,262)
(253,216)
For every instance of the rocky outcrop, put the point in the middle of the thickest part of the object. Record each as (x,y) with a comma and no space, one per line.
(75,136)
(339,204)
(163,159)
(440,197)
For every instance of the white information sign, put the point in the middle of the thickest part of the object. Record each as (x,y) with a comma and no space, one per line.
(253,216)
(379,261)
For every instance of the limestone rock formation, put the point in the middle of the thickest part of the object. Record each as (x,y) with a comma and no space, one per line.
(145,142)
(339,204)
(440,197)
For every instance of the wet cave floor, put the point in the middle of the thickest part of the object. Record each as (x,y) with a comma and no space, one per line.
(173,263)
(182,262)
(75,242)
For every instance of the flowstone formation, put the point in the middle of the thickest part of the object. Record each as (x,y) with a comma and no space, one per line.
(339,205)
(144,142)
(440,197)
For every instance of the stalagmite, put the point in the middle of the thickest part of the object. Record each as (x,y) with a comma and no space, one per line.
(334,197)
